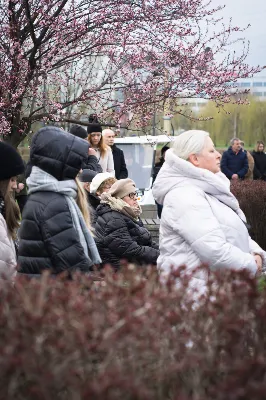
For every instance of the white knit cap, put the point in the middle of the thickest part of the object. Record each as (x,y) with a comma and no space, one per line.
(98,180)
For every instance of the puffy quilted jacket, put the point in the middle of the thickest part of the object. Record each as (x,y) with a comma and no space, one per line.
(201,219)
(48,239)
(8,262)
(118,237)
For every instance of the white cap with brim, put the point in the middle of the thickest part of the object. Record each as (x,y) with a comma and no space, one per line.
(98,180)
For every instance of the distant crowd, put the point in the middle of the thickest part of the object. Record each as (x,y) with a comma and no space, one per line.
(81,212)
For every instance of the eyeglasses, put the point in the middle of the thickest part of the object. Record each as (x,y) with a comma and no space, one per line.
(133,195)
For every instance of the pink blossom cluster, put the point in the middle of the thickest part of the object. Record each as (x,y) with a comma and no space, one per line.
(114,57)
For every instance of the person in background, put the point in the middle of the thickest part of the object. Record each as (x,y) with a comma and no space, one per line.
(156,170)
(202,222)
(159,164)
(86,177)
(119,231)
(55,229)
(249,174)
(118,155)
(11,165)
(92,162)
(234,162)
(260,161)
(103,152)
(100,183)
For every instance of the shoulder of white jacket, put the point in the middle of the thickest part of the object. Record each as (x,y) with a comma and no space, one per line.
(186,195)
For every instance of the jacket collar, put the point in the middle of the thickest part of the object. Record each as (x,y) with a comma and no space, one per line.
(177,172)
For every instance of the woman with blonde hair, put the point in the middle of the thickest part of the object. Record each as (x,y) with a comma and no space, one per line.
(55,229)
(11,165)
(202,222)
(104,152)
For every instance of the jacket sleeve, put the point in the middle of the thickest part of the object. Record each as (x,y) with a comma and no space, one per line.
(92,164)
(199,228)
(243,170)
(123,246)
(123,167)
(224,167)
(61,239)
(110,162)
(256,249)
(8,261)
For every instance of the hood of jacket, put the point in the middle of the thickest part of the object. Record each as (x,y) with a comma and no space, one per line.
(58,153)
(177,173)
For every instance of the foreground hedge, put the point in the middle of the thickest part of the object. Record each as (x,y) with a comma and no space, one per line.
(252,199)
(133,338)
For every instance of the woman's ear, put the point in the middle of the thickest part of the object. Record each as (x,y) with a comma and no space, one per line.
(193,159)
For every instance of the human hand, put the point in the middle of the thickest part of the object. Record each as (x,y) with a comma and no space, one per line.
(258,260)
(21,186)
(235,176)
(92,152)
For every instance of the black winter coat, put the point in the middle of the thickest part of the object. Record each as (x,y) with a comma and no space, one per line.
(48,239)
(92,164)
(119,163)
(259,165)
(118,237)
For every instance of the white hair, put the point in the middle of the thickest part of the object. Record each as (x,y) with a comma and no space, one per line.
(190,142)
(106,131)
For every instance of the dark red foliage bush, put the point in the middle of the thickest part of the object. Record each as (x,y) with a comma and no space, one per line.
(133,338)
(252,199)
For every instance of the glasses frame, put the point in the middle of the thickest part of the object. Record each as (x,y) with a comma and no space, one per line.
(133,195)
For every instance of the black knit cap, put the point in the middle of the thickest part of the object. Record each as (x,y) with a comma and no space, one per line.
(87,175)
(11,163)
(94,128)
(78,131)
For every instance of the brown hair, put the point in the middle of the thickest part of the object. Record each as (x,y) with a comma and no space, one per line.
(101,145)
(109,181)
(257,145)
(83,203)
(12,213)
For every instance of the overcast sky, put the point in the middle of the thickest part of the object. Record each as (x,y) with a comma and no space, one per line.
(244,12)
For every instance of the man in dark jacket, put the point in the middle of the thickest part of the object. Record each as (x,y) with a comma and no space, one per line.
(118,155)
(234,162)
(91,162)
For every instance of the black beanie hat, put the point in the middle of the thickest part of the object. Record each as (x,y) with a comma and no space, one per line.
(11,163)
(78,131)
(94,128)
(87,175)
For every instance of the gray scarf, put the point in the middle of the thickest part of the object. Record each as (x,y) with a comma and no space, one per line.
(41,181)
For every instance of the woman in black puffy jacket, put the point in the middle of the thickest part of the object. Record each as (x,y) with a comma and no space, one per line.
(55,229)
(120,234)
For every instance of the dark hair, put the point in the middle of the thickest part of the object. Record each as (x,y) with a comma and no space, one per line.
(164,149)
(12,213)
(78,131)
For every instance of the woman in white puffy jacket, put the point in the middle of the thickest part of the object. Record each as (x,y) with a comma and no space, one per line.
(11,165)
(201,220)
